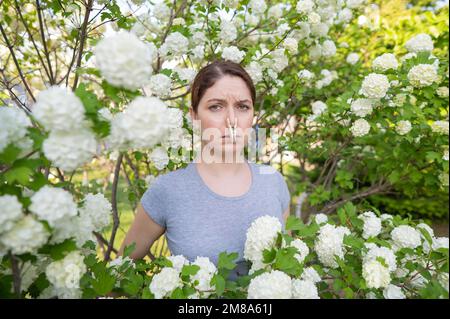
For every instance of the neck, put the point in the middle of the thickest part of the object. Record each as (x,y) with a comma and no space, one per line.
(222,168)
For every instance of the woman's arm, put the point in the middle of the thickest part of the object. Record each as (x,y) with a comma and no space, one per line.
(144,231)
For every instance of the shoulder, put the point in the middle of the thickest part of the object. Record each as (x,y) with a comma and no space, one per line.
(169,180)
(267,172)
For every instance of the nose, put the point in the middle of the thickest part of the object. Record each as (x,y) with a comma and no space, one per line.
(231,118)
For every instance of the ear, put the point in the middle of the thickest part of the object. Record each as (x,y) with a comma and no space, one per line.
(192,114)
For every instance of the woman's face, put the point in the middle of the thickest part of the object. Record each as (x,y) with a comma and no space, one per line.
(229,98)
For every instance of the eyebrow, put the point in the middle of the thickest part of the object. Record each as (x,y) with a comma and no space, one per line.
(222,100)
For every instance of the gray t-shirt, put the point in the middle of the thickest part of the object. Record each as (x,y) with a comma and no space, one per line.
(200,222)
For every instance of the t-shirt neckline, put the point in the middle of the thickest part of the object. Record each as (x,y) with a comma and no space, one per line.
(214,194)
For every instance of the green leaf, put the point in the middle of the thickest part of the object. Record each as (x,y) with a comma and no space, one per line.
(354,242)
(129,249)
(134,284)
(103,283)
(9,154)
(59,251)
(177,294)
(285,260)
(20,174)
(294,223)
(89,99)
(226,260)
(189,270)
(427,236)
(269,255)
(219,282)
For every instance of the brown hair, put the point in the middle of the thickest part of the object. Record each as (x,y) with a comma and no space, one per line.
(209,74)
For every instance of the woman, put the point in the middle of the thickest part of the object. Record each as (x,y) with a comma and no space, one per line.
(207,207)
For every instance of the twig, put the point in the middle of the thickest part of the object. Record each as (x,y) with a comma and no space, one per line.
(115,213)
(10,48)
(47,55)
(82,41)
(16,274)
(32,39)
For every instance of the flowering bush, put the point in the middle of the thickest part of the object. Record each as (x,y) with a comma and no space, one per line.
(342,257)
(361,117)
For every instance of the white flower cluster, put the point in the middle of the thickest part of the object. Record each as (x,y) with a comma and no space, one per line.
(385,62)
(375,274)
(278,285)
(317,107)
(420,43)
(13,127)
(159,158)
(160,85)
(52,204)
(442,91)
(228,32)
(11,212)
(327,78)
(423,75)
(70,150)
(175,44)
(65,275)
(258,7)
(360,128)
(302,249)
(279,60)
(27,235)
(305,75)
(261,235)
(329,244)
(387,254)
(375,86)
(362,107)
(405,236)
(118,66)
(304,289)
(403,127)
(71,143)
(254,69)
(291,45)
(233,54)
(166,281)
(97,209)
(352,58)
(371,226)
(204,275)
(59,109)
(320,218)
(271,285)
(143,124)
(393,292)
(440,127)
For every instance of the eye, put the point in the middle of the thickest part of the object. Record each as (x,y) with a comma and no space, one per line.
(244,107)
(214,107)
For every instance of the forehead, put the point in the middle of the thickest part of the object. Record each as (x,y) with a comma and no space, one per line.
(228,88)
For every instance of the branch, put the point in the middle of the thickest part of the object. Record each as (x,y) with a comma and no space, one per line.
(82,40)
(103,241)
(133,167)
(116,220)
(16,274)
(47,55)
(8,44)
(32,39)
(376,189)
